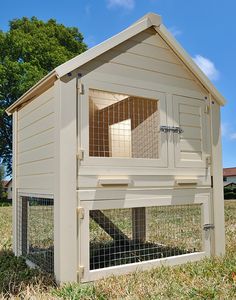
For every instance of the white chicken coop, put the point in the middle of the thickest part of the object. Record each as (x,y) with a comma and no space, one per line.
(117,160)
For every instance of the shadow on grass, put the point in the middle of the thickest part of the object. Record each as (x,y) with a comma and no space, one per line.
(15,275)
(108,254)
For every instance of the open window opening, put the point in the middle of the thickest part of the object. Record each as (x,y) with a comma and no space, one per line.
(123,126)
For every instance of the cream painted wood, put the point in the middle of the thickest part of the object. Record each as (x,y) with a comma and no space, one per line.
(36,141)
(118,162)
(147,22)
(192,146)
(217,173)
(34,105)
(142,266)
(138,181)
(14,184)
(119,81)
(45,123)
(124,195)
(65,217)
(171,199)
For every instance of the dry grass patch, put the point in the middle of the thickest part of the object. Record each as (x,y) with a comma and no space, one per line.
(213,278)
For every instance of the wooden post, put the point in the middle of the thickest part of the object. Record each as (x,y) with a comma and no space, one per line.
(24,226)
(14,187)
(139,224)
(217,175)
(65,195)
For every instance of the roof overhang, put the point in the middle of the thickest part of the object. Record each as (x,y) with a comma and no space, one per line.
(149,20)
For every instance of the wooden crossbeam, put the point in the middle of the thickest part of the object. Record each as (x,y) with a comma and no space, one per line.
(107,225)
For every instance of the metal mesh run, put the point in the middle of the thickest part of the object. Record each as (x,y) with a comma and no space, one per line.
(122,125)
(122,236)
(35,231)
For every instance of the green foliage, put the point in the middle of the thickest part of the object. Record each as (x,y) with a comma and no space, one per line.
(28,51)
(1,182)
(76,291)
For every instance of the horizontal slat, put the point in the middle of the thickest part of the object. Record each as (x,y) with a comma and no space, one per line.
(44,182)
(191,156)
(191,132)
(135,86)
(37,141)
(190,145)
(36,154)
(38,167)
(146,63)
(150,37)
(148,50)
(127,72)
(40,100)
(189,120)
(41,125)
(189,109)
(37,114)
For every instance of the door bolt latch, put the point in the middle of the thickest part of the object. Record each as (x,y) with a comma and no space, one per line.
(207,227)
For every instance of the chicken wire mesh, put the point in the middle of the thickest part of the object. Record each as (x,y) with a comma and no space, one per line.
(123,236)
(35,231)
(122,125)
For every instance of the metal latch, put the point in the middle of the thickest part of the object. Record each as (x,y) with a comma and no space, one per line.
(174,129)
(80,154)
(208,227)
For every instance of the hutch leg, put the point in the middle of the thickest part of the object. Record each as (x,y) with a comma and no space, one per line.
(139,223)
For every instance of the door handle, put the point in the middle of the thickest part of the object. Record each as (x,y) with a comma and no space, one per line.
(174,129)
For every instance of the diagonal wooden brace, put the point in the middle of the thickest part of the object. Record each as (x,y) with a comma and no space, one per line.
(107,225)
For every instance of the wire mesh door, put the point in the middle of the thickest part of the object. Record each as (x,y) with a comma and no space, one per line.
(120,240)
(121,127)
(35,231)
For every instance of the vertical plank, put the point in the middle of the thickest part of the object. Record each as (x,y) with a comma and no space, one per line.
(65,218)
(139,224)
(14,185)
(24,226)
(217,173)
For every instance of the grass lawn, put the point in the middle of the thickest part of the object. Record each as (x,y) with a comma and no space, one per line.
(213,278)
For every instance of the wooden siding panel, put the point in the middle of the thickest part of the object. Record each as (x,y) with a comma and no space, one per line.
(45,166)
(150,37)
(40,100)
(38,182)
(127,72)
(37,154)
(146,63)
(36,140)
(37,114)
(45,123)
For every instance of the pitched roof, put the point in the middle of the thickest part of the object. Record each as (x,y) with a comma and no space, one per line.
(227,172)
(149,20)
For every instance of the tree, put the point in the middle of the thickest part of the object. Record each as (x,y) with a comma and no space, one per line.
(1,180)
(28,51)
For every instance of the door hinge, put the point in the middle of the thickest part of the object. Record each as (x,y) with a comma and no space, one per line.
(80,212)
(207,109)
(208,226)
(208,160)
(80,155)
(80,272)
(80,88)
(211,181)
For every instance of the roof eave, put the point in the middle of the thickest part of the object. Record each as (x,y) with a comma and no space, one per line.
(32,92)
(188,61)
(144,23)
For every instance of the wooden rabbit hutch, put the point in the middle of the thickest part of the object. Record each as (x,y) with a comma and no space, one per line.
(117,160)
